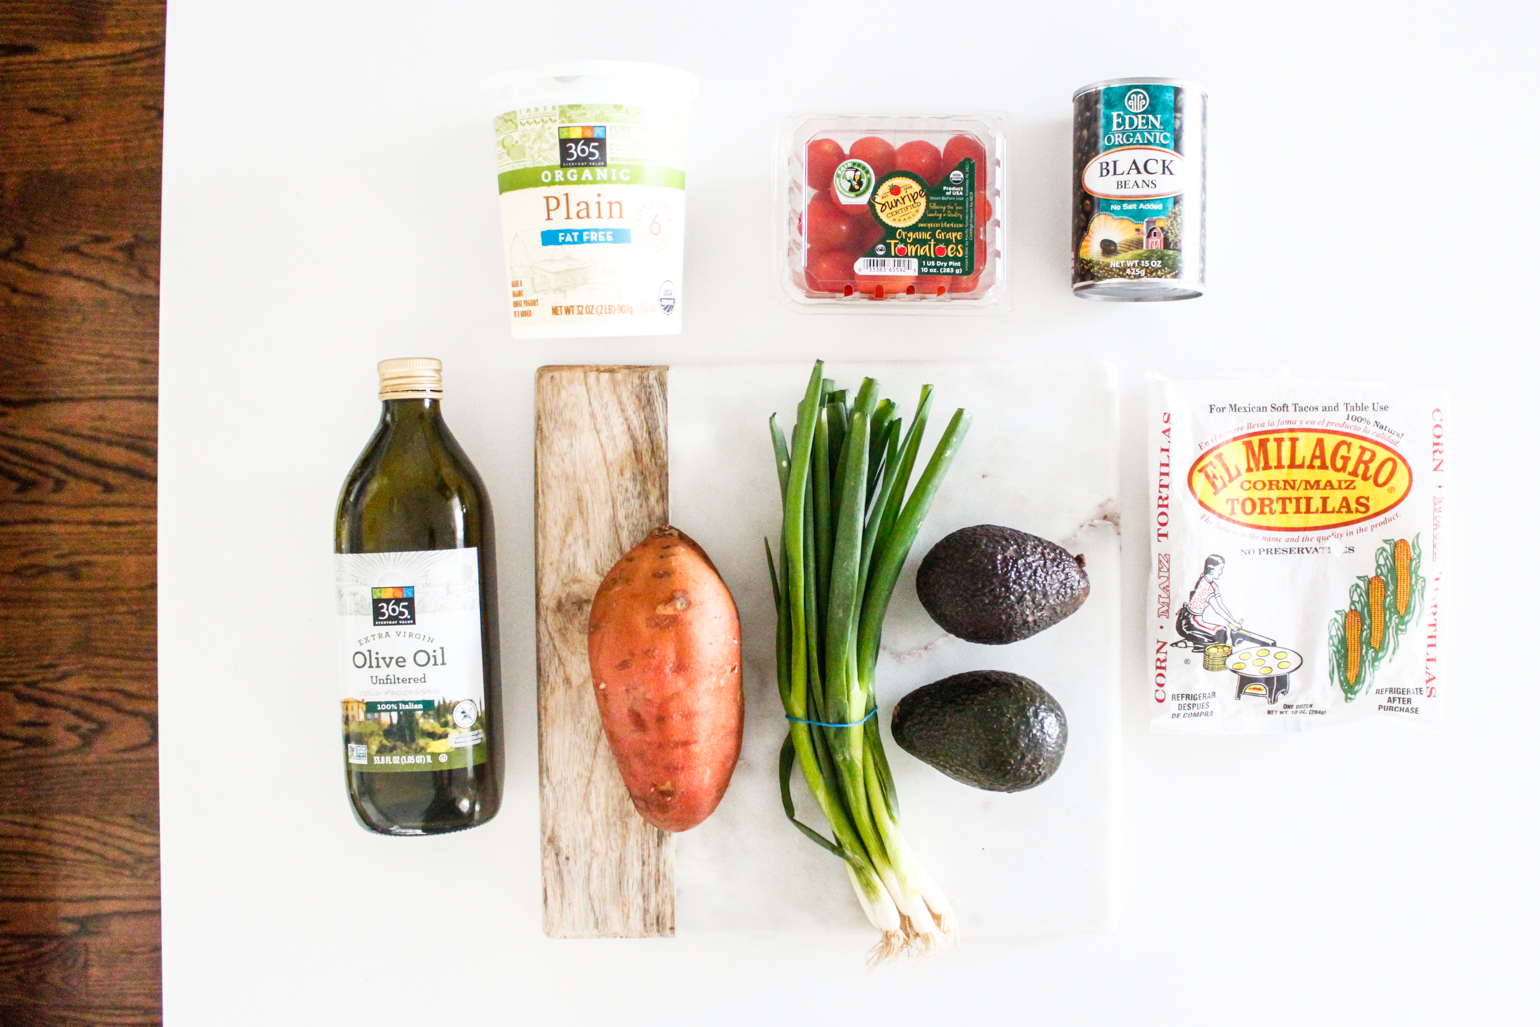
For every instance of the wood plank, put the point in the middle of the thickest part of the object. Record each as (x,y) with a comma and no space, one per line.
(66,452)
(79,266)
(113,949)
(81,105)
(601,484)
(81,201)
(89,787)
(31,22)
(76,559)
(53,714)
(90,1016)
(110,352)
(88,636)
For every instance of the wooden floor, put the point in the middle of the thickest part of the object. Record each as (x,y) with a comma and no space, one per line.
(80,145)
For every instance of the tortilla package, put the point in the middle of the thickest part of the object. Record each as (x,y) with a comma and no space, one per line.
(1295,554)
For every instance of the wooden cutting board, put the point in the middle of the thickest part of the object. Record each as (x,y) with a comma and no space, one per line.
(601,484)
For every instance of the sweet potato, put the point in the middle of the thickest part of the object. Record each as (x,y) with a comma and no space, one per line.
(664,653)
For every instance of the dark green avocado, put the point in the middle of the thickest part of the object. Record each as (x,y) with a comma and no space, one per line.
(995,585)
(986,728)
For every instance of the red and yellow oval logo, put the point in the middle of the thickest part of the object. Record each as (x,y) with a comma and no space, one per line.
(1307,480)
(899,201)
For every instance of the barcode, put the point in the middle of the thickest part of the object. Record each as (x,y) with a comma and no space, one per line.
(887,266)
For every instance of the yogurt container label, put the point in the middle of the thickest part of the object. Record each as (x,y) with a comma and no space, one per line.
(592,201)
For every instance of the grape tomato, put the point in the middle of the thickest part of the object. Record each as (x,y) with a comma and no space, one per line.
(823,156)
(828,228)
(878,209)
(922,158)
(877,153)
(830,270)
(962,146)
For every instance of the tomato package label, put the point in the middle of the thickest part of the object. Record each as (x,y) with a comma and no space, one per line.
(1297,536)
(921,229)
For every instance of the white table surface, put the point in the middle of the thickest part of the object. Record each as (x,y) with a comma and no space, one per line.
(329,201)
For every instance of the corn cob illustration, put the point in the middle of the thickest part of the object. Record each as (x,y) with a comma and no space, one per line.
(1403,558)
(1376,612)
(1352,629)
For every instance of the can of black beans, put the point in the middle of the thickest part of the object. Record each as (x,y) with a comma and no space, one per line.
(1140,189)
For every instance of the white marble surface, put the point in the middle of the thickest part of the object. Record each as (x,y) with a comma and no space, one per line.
(1041,456)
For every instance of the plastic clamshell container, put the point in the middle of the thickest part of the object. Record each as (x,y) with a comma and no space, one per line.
(891,213)
(591,189)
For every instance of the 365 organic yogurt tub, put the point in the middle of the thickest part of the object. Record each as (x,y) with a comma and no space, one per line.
(591,186)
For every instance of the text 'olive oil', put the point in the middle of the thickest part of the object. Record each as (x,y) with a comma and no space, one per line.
(417,619)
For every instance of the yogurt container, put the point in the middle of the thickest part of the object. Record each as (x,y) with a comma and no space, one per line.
(591,188)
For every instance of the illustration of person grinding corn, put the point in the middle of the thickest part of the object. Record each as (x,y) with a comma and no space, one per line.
(1205,620)
(1206,624)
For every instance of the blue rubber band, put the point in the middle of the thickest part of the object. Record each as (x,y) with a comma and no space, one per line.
(819,723)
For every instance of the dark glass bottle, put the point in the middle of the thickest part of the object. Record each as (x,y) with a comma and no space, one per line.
(422,744)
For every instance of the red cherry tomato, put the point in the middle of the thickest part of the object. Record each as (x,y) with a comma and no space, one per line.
(823,156)
(921,158)
(830,270)
(876,152)
(868,232)
(834,271)
(827,228)
(962,146)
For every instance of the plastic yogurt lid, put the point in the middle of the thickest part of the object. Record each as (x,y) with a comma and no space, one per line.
(570,72)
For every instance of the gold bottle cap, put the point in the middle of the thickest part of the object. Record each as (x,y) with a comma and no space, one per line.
(412,378)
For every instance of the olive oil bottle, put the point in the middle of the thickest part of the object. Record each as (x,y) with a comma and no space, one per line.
(417,619)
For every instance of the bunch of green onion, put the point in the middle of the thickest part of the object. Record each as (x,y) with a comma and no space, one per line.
(846,531)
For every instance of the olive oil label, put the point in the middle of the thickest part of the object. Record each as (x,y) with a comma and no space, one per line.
(592,199)
(926,230)
(1297,535)
(1134,182)
(412,685)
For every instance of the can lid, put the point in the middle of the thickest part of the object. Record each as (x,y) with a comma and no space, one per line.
(570,72)
(1147,80)
(411,377)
